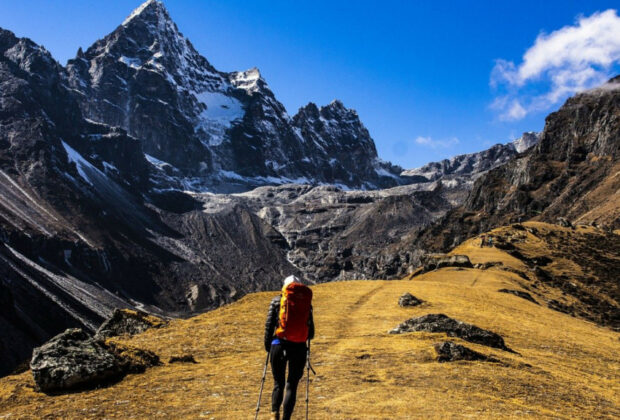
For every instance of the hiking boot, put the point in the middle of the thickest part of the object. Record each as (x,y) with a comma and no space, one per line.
(275,415)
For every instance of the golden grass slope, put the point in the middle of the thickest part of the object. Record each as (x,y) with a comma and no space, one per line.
(566,367)
(575,270)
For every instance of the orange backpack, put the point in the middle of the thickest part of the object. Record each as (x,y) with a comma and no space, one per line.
(295,306)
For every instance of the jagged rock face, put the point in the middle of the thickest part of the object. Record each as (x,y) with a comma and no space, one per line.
(147,78)
(527,140)
(335,134)
(218,131)
(569,173)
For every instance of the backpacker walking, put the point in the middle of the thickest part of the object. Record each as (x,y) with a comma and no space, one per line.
(288,328)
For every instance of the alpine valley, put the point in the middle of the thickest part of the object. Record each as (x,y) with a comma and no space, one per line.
(138,176)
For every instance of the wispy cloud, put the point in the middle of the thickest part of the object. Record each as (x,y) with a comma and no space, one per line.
(436,144)
(569,60)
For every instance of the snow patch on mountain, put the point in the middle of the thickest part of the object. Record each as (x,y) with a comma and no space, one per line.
(219,112)
(138,11)
(82,165)
(134,63)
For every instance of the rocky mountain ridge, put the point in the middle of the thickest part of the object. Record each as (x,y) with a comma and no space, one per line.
(471,166)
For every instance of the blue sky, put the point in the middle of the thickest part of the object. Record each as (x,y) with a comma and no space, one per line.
(428,79)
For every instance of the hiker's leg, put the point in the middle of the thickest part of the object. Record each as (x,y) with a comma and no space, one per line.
(296,363)
(278,369)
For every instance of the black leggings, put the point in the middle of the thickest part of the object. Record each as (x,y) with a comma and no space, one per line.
(295,355)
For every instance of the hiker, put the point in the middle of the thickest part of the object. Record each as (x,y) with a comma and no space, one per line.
(483,238)
(289,326)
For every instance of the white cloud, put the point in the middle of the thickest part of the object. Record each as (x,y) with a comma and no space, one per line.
(435,144)
(509,108)
(571,59)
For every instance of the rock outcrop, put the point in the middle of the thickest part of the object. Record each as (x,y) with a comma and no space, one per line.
(432,262)
(440,323)
(408,299)
(519,293)
(448,351)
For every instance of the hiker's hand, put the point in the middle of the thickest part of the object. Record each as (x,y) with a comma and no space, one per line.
(267,347)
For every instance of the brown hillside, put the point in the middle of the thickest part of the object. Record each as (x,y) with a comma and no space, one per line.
(563,367)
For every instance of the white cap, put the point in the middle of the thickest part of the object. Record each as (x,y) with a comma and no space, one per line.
(291,279)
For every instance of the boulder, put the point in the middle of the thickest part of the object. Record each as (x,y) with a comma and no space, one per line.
(440,323)
(448,351)
(128,322)
(409,300)
(73,360)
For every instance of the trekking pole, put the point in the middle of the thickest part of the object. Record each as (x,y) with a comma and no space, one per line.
(260,394)
(308,369)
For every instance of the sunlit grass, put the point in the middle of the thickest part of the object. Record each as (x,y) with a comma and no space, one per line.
(565,368)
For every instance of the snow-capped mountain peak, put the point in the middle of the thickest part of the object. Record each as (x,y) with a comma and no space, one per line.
(148,8)
(250,80)
(212,127)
